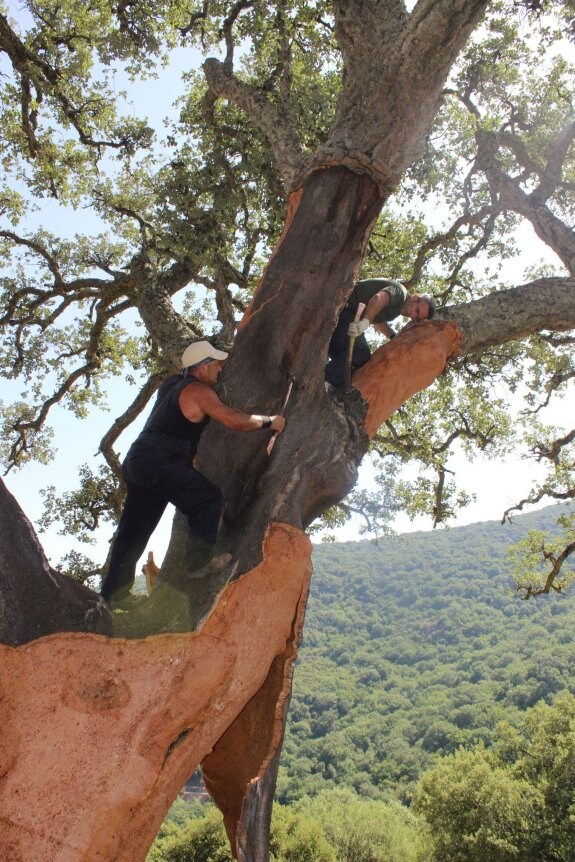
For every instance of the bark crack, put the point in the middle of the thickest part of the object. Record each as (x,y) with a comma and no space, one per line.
(180,738)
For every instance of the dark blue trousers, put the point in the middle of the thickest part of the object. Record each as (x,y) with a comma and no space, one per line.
(337,353)
(156,476)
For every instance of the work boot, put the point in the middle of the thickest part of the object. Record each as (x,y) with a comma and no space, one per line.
(198,553)
(212,567)
(127,602)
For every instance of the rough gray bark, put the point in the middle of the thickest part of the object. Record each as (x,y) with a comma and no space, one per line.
(395,68)
(544,304)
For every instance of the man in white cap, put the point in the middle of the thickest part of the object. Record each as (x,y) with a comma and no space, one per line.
(158,469)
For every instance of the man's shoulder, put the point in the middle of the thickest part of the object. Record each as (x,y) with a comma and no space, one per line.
(194,389)
(173,386)
(368,287)
(171,381)
(397,291)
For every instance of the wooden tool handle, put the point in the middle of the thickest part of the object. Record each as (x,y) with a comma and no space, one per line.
(273,438)
(347,378)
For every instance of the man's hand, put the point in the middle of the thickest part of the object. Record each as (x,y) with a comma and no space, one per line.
(358,327)
(278,423)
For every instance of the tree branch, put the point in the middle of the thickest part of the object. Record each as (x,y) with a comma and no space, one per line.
(276,125)
(554,232)
(550,581)
(547,303)
(31,67)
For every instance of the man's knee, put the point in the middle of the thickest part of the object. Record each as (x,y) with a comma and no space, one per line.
(200,493)
(211,493)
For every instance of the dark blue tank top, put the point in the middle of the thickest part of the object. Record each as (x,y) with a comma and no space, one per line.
(167,427)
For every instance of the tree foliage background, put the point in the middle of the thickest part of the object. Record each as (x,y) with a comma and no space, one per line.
(513,801)
(184,214)
(414,647)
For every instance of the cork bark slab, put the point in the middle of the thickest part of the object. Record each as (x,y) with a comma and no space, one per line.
(110,729)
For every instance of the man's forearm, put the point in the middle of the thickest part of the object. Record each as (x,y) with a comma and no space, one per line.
(385,329)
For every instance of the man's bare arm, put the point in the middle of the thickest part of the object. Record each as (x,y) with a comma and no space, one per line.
(375,306)
(198,401)
(385,329)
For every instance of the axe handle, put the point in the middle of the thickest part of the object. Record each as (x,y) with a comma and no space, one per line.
(347,378)
(273,438)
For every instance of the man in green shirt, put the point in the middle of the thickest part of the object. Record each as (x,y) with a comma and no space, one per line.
(384,300)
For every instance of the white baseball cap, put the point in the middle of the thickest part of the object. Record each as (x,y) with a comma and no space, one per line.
(199,351)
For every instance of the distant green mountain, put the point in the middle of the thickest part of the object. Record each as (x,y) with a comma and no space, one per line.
(413,647)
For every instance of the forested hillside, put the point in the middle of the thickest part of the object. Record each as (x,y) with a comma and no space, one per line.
(414,646)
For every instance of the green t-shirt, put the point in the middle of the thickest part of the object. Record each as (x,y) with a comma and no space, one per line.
(368,287)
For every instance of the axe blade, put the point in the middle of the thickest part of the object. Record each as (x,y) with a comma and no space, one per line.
(273,438)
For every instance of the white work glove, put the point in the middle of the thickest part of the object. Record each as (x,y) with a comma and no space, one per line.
(357,327)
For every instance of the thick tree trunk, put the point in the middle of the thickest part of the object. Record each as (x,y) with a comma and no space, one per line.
(287,330)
